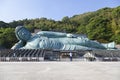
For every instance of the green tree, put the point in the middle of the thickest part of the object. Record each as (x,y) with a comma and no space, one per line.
(7,37)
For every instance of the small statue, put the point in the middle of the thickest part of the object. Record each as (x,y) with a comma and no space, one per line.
(56,41)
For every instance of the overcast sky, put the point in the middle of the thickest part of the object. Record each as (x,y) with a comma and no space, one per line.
(52,9)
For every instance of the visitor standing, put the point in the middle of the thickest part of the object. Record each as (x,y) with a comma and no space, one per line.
(70,54)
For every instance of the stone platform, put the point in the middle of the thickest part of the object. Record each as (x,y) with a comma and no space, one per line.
(59,70)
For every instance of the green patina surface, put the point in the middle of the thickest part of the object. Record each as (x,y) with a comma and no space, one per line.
(56,40)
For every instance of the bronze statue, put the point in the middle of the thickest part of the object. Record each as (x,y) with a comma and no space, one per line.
(56,40)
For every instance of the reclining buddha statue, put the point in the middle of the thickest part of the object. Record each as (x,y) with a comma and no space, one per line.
(56,41)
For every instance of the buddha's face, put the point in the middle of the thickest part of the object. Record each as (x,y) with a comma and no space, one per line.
(23,34)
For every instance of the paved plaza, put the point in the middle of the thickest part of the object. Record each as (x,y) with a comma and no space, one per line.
(60,70)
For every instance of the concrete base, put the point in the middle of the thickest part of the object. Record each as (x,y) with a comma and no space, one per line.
(59,70)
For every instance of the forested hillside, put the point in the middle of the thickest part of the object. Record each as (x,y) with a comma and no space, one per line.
(102,25)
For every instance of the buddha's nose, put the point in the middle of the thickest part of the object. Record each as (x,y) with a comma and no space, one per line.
(23,33)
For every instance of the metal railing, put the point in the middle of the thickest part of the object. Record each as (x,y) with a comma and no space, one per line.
(20,59)
(53,55)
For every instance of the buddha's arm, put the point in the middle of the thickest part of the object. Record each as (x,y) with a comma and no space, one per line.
(18,45)
(52,34)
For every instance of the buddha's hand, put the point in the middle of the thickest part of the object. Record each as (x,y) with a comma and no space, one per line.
(18,45)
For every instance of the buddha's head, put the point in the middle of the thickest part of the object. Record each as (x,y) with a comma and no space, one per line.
(22,33)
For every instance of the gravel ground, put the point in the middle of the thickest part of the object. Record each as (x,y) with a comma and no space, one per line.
(59,71)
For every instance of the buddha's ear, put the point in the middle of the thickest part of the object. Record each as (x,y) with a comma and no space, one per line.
(17,36)
(17,29)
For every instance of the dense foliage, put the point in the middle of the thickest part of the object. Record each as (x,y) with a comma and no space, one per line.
(102,25)
(7,37)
